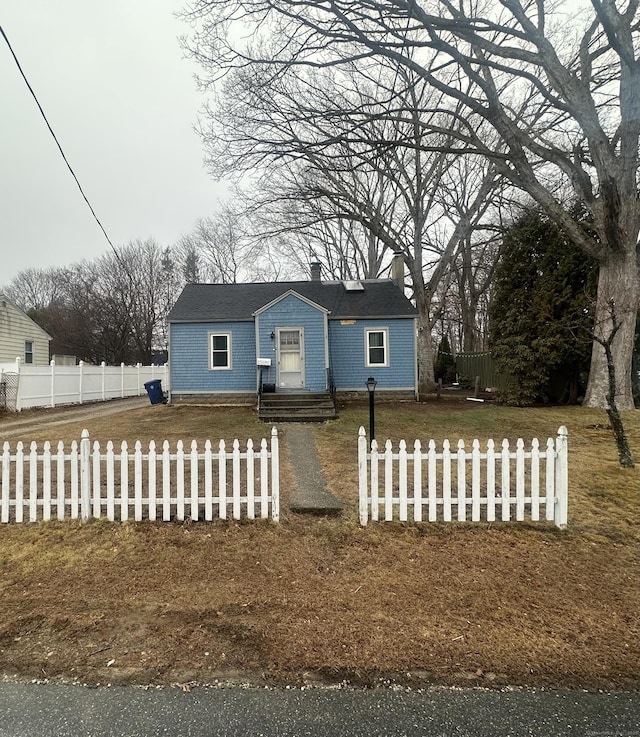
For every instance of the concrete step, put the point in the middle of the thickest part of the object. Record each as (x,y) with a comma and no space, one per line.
(300,417)
(298,402)
(298,407)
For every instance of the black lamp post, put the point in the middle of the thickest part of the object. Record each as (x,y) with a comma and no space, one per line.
(371,388)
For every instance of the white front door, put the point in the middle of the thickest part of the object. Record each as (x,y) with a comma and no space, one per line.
(290,358)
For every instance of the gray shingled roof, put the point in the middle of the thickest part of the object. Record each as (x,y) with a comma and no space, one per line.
(208,302)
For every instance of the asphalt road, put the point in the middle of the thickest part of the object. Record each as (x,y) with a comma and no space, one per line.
(46,710)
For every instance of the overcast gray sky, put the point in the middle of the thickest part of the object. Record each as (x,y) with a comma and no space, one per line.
(111,78)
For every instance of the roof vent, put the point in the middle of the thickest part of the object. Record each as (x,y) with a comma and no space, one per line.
(353,286)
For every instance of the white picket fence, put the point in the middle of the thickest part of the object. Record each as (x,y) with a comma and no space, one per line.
(494,484)
(51,385)
(87,481)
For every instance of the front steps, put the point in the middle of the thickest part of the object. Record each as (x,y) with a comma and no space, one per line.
(296,407)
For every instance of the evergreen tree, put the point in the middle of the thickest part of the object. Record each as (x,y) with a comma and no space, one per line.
(541,313)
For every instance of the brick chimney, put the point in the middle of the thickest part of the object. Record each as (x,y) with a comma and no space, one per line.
(397,269)
(316,268)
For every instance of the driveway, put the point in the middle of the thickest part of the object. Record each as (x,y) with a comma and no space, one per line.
(16,423)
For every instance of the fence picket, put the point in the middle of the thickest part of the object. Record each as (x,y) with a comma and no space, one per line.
(124,482)
(535,480)
(388,481)
(402,480)
(431,460)
(520,480)
(111,487)
(33,482)
(275,476)
(264,479)
(462,482)
(166,482)
(222,481)
(250,481)
(180,482)
(46,482)
(6,480)
(550,477)
(85,476)
(74,480)
(97,502)
(137,482)
(194,481)
(60,477)
(417,481)
(446,481)
(151,480)
(208,482)
(491,481)
(505,473)
(475,481)
(236,479)
(19,511)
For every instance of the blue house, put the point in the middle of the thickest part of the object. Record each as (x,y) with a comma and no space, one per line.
(231,342)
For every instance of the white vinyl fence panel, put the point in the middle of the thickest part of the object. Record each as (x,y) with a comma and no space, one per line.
(125,483)
(444,485)
(52,385)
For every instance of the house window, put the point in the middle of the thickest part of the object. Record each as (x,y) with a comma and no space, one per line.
(220,351)
(28,351)
(377,347)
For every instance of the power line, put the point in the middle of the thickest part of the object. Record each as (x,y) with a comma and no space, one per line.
(33,94)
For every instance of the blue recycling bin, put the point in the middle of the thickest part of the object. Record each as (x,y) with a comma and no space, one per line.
(154,390)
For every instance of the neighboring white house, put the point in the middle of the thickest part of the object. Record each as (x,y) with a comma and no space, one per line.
(21,337)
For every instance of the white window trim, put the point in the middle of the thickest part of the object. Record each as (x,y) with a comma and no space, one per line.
(385,347)
(229,367)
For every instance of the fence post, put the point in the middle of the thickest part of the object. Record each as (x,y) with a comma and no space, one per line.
(103,366)
(52,366)
(362,477)
(18,397)
(275,476)
(562,479)
(80,372)
(122,380)
(85,476)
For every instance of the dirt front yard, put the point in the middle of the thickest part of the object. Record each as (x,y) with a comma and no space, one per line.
(316,600)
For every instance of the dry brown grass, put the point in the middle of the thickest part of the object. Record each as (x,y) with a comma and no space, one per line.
(323,599)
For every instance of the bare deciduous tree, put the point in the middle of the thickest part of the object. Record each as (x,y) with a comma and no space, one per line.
(381,184)
(557,84)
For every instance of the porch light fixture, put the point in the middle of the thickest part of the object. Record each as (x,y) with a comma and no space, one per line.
(273,335)
(371,383)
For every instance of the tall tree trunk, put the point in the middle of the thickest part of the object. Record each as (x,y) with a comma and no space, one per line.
(426,355)
(618,280)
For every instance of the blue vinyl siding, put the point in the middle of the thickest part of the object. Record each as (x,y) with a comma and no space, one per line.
(190,358)
(348,354)
(294,312)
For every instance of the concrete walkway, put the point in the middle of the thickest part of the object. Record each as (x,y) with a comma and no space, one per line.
(310,494)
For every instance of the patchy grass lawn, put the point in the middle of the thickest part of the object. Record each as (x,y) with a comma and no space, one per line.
(320,599)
